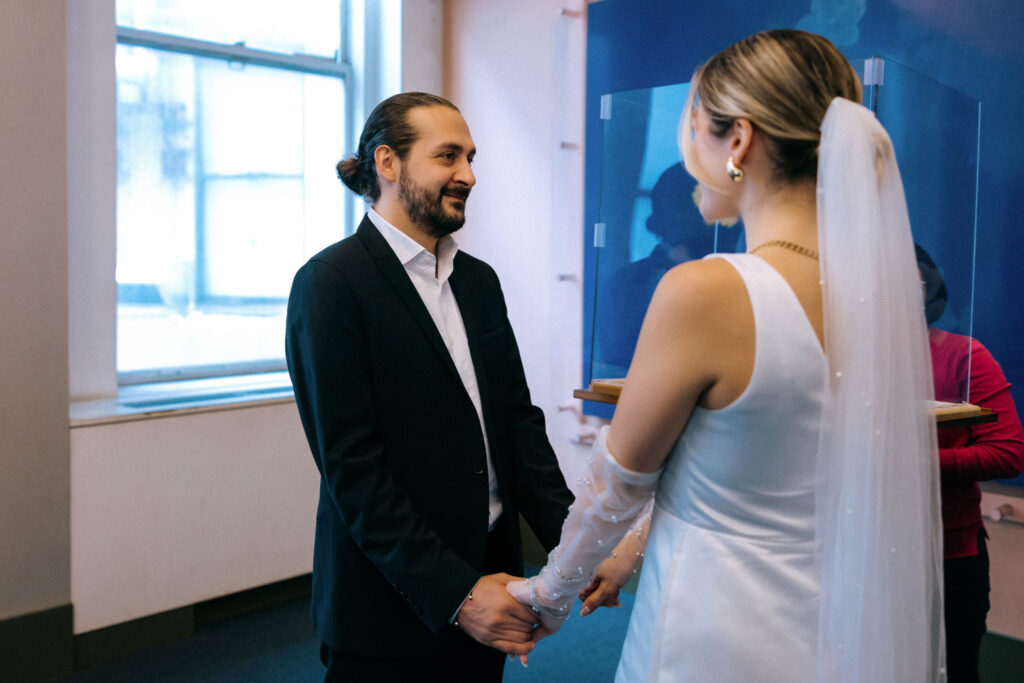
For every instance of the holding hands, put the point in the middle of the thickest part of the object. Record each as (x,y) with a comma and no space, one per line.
(492,617)
(552,607)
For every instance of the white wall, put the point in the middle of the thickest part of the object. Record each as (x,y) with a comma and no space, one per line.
(516,70)
(92,199)
(421,46)
(172,511)
(34,518)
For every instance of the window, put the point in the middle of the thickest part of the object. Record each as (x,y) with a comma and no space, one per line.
(230,118)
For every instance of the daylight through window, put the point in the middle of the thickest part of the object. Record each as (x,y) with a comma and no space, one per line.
(230,119)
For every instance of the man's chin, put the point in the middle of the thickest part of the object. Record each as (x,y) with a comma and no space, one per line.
(441,228)
(455,216)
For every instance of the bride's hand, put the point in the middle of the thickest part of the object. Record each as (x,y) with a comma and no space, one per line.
(546,626)
(603,591)
(539,632)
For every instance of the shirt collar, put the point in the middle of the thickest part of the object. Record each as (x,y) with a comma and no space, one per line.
(409,250)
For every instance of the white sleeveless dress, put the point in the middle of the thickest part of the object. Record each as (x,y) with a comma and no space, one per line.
(729,591)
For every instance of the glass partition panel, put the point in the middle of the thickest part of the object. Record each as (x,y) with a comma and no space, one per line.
(935,132)
(648,218)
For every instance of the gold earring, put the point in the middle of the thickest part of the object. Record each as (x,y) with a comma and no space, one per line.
(735,172)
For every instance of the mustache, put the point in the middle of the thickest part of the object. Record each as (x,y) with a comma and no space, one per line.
(456,191)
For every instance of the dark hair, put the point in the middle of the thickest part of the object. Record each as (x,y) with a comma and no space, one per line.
(389,125)
(935,294)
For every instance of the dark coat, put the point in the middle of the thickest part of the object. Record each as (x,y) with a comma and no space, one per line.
(402,521)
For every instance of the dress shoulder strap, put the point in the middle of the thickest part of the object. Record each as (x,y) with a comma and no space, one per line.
(781,325)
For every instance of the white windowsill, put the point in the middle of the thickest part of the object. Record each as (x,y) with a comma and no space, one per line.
(171,399)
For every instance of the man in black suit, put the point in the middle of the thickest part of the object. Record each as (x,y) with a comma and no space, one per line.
(412,395)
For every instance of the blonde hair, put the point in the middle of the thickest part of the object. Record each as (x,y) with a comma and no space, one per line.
(783,82)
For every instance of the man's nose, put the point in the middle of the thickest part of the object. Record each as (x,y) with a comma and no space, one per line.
(465,174)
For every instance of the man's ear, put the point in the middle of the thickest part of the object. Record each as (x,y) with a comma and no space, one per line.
(387,163)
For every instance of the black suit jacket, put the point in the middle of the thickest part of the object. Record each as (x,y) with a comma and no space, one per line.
(402,520)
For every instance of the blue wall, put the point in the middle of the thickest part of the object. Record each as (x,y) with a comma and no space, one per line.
(972,45)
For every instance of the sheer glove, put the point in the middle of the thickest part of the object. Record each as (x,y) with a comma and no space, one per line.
(609,501)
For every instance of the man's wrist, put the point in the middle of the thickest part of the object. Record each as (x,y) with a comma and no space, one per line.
(455,617)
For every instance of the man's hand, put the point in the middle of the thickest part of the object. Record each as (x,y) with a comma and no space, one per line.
(496,619)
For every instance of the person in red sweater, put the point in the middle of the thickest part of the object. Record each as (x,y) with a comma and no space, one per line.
(967,455)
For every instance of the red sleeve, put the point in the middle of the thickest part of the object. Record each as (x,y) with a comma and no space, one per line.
(994,450)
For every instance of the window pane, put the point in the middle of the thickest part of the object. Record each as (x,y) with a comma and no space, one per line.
(299,26)
(226,184)
(251,119)
(250,248)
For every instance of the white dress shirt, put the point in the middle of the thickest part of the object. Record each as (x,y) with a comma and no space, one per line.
(429,275)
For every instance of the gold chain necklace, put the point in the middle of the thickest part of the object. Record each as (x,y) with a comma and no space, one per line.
(787,245)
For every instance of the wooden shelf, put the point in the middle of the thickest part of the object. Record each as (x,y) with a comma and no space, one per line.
(947,415)
(602,391)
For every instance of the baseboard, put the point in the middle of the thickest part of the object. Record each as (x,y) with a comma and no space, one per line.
(258,598)
(106,644)
(37,646)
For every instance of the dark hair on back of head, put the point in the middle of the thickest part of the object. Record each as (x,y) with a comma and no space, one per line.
(935,294)
(388,124)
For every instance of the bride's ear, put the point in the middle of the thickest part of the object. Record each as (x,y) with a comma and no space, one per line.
(740,137)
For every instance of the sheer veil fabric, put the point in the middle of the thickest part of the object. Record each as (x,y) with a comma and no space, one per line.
(877,531)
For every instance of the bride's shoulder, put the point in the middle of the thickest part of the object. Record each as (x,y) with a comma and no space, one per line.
(702,281)
(697,298)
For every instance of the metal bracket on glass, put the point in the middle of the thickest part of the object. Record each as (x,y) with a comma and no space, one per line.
(874,71)
(606,107)
(599,235)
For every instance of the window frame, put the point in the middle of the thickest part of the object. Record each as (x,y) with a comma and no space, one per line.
(339,67)
(390,45)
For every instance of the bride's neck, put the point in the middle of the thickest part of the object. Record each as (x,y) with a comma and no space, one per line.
(787,213)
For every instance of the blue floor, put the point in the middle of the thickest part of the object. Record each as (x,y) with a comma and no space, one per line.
(277,644)
(273,644)
(584,649)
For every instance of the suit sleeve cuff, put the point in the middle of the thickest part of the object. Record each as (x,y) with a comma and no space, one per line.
(455,616)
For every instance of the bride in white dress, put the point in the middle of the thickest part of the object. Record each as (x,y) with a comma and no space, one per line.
(776,408)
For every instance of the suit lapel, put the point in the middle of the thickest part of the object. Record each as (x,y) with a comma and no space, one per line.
(469,301)
(395,273)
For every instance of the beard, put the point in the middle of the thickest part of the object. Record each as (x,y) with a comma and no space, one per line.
(427,209)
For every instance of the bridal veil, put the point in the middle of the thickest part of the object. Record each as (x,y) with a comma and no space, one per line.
(878,536)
